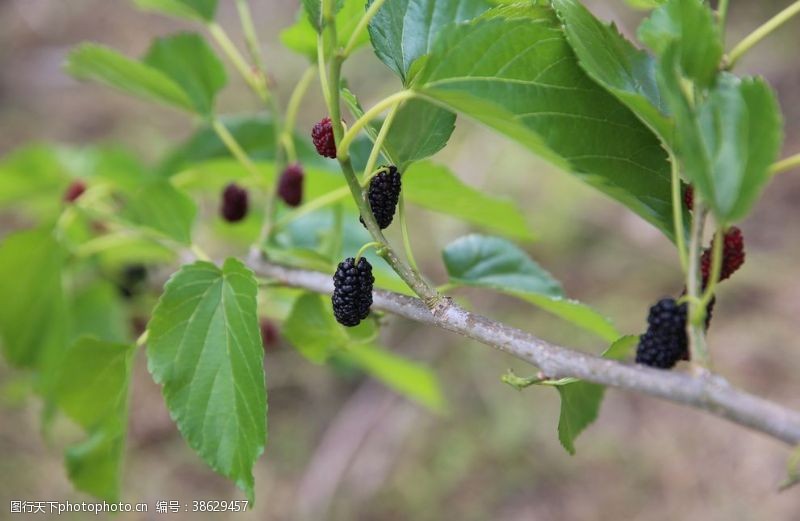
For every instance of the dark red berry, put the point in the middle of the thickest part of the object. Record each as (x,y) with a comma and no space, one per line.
(322,135)
(352,291)
(290,185)
(234,203)
(74,190)
(383,194)
(688,197)
(269,334)
(666,341)
(732,256)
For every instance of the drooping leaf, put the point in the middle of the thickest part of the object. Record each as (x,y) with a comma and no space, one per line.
(410,379)
(92,389)
(312,329)
(514,70)
(612,61)
(690,27)
(202,10)
(404,30)
(204,347)
(436,188)
(727,141)
(495,263)
(163,208)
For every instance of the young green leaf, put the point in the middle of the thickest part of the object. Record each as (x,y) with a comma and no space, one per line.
(205,349)
(92,389)
(96,310)
(312,329)
(404,30)
(532,89)
(165,209)
(33,180)
(201,10)
(689,26)
(613,62)
(495,263)
(302,36)
(436,188)
(410,379)
(313,10)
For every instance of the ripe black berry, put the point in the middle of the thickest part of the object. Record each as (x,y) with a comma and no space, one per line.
(352,291)
(74,190)
(234,203)
(384,192)
(322,135)
(290,185)
(665,342)
(732,255)
(132,280)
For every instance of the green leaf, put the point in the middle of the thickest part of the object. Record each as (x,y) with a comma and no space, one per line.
(312,329)
(532,89)
(622,348)
(313,10)
(202,10)
(204,347)
(727,141)
(163,208)
(32,321)
(302,36)
(92,389)
(190,62)
(415,381)
(99,63)
(96,310)
(689,26)
(33,180)
(613,62)
(644,5)
(495,263)
(404,30)
(580,404)
(436,188)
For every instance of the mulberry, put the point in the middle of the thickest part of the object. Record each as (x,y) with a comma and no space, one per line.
(666,341)
(290,185)
(384,192)
(732,256)
(322,135)
(688,197)
(234,203)
(74,190)
(352,291)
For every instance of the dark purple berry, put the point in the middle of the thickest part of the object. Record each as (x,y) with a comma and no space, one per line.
(352,291)
(234,203)
(383,194)
(666,341)
(290,185)
(74,190)
(322,135)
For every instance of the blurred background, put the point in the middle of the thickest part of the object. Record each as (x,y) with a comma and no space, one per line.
(342,447)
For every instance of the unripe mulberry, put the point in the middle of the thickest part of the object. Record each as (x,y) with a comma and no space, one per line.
(384,192)
(234,203)
(666,341)
(290,185)
(732,256)
(74,190)
(322,135)
(352,291)
(688,197)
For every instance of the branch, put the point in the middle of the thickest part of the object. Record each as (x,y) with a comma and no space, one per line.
(709,392)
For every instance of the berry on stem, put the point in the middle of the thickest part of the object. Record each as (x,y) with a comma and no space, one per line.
(322,135)
(234,203)
(666,341)
(290,185)
(352,291)
(74,190)
(732,256)
(688,197)
(383,194)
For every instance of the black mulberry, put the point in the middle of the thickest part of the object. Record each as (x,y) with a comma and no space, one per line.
(290,185)
(383,194)
(666,341)
(234,203)
(352,291)
(322,135)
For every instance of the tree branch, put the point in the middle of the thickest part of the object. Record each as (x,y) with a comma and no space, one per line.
(710,393)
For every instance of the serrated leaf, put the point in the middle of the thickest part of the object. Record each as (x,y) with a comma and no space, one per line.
(312,329)
(313,10)
(403,30)
(410,379)
(302,36)
(203,10)
(99,63)
(436,188)
(92,389)
(204,347)
(690,27)
(612,61)
(727,141)
(514,70)
(165,209)
(495,263)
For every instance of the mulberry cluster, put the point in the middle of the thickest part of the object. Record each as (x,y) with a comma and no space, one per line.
(322,135)
(74,190)
(352,291)
(384,192)
(666,341)
(732,256)
(234,203)
(290,185)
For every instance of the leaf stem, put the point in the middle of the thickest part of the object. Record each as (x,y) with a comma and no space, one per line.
(696,329)
(722,14)
(292,109)
(234,147)
(312,206)
(761,32)
(406,237)
(250,35)
(223,40)
(677,213)
(787,164)
(362,24)
(377,145)
(387,103)
(364,248)
(713,280)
